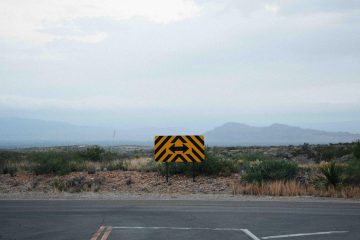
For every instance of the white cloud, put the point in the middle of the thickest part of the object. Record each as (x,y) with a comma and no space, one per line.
(26,19)
(272,8)
(253,56)
(91,38)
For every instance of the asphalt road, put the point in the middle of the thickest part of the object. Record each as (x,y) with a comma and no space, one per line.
(178,220)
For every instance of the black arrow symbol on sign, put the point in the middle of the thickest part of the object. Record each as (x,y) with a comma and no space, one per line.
(178,138)
(183,148)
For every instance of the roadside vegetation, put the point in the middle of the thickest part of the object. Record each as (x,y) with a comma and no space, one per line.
(63,160)
(285,178)
(309,170)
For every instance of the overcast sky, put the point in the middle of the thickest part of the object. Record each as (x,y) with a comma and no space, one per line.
(184,63)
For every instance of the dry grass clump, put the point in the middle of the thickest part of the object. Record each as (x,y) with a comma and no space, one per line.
(77,184)
(276,188)
(137,164)
(293,188)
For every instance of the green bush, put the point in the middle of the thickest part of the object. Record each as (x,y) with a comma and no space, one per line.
(356,150)
(2,164)
(151,166)
(91,170)
(332,173)
(352,171)
(118,166)
(93,153)
(175,168)
(270,170)
(109,156)
(10,169)
(52,154)
(62,160)
(330,152)
(213,165)
(76,166)
(52,166)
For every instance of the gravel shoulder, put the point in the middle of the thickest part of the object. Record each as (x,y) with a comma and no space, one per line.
(89,196)
(129,185)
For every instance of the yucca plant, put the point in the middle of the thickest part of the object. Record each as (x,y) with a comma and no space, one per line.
(332,173)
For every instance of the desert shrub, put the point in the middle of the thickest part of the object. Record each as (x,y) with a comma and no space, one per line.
(9,169)
(91,170)
(12,161)
(52,166)
(151,166)
(110,156)
(7,155)
(77,166)
(175,168)
(77,184)
(40,156)
(293,188)
(331,173)
(59,184)
(213,165)
(61,162)
(253,156)
(120,165)
(2,165)
(50,160)
(356,150)
(352,171)
(93,153)
(270,170)
(236,153)
(331,152)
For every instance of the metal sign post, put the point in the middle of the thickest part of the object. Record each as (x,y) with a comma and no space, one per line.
(167,172)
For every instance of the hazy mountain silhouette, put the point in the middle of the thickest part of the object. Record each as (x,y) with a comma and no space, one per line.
(18,132)
(276,134)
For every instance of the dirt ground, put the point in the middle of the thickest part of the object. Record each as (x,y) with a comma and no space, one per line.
(116,182)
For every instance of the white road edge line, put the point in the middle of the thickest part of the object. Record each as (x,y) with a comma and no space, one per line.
(250,234)
(246,231)
(303,234)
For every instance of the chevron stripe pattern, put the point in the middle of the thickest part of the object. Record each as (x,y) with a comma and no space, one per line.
(186,148)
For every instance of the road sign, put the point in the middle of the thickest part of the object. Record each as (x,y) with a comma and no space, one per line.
(179,148)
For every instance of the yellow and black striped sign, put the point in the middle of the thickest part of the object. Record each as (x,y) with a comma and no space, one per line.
(179,148)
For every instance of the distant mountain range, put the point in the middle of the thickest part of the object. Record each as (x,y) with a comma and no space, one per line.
(17,132)
(232,134)
(21,132)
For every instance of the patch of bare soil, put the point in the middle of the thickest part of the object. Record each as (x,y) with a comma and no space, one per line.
(115,182)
